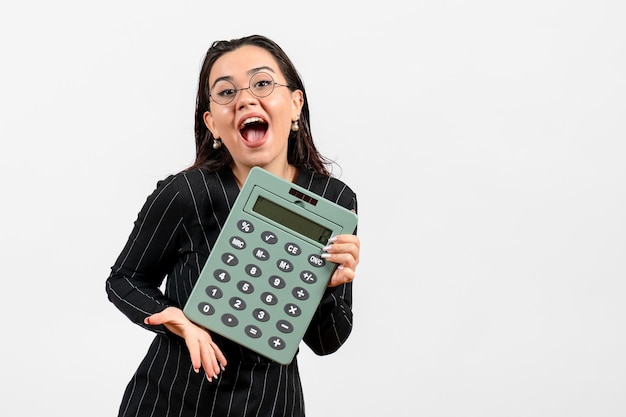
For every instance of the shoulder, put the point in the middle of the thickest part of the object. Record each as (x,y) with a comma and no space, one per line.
(199,181)
(202,189)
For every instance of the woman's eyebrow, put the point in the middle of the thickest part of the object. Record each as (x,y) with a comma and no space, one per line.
(250,73)
(258,69)
(223,78)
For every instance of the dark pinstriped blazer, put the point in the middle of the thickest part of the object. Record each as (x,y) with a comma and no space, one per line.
(172,238)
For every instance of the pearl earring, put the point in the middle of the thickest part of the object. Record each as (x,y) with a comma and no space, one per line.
(217,143)
(294,126)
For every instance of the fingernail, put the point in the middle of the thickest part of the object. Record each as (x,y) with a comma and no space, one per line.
(327,248)
(333,239)
(196,370)
(326,255)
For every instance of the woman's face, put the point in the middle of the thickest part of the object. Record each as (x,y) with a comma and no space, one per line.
(254,130)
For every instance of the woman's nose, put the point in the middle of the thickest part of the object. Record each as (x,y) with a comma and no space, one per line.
(246,98)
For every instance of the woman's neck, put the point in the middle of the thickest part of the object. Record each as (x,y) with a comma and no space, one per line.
(288,173)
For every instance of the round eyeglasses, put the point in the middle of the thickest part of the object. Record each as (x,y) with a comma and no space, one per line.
(261,85)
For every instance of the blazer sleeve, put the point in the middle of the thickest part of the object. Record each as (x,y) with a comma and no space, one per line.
(332,322)
(133,285)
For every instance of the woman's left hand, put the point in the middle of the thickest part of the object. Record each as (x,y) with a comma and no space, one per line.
(343,250)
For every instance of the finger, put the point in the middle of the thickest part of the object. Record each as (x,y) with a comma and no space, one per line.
(194,354)
(154,320)
(165,316)
(220,357)
(213,360)
(339,245)
(341,276)
(345,238)
(347,259)
(209,362)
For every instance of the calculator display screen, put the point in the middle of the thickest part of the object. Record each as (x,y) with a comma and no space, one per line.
(293,221)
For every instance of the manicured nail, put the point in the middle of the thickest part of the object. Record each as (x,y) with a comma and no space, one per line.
(327,248)
(326,255)
(333,239)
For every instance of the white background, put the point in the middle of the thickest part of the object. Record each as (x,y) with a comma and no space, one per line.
(485,140)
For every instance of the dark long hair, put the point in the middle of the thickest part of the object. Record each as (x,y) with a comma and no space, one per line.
(301,152)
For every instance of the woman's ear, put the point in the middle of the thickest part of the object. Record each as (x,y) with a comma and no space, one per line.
(210,124)
(297,101)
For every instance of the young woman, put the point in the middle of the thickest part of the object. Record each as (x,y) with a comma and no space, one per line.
(251,110)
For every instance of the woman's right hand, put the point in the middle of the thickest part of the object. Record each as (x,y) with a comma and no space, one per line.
(203,351)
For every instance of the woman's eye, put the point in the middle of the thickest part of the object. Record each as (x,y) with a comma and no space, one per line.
(263,84)
(226,93)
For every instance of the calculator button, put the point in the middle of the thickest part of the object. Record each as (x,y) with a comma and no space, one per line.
(253,331)
(213,292)
(261,254)
(237,303)
(316,260)
(293,249)
(245,226)
(293,310)
(260,314)
(269,298)
(269,238)
(253,270)
(276,343)
(284,265)
(221,275)
(276,282)
(284,326)
(229,320)
(229,259)
(308,277)
(300,293)
(237,242)
(206,308)
(245,287)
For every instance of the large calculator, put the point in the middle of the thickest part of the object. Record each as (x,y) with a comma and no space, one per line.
(265,275)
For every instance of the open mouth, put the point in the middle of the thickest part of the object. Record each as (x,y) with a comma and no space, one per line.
(253,129)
